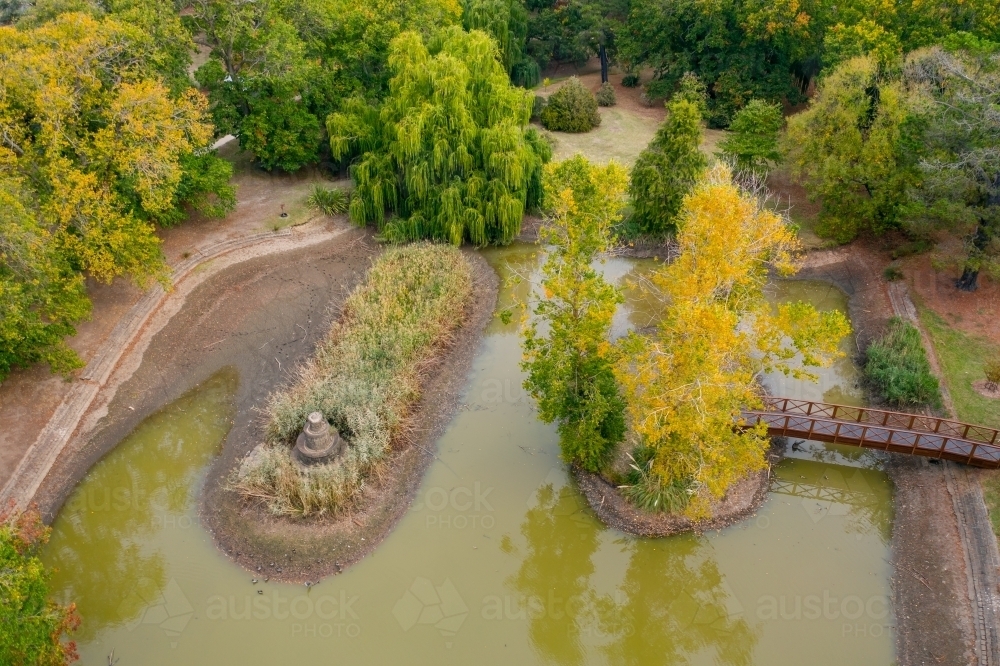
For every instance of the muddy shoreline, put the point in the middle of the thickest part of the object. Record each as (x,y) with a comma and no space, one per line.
(741,502)
(307,549)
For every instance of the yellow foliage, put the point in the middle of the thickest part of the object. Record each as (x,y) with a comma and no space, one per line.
(687,386)
(96,138)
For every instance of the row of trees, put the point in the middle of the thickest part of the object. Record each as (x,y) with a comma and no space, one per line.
(745,49)
(915,148)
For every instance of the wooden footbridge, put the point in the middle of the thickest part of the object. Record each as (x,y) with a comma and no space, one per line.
(915,434)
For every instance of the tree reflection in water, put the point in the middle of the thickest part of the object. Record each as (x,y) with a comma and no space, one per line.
(104,546)
(671,605)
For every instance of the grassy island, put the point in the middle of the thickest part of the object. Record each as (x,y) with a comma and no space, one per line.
(364,378)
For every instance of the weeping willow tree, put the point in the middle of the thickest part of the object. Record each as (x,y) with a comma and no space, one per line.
(507,22)
(447,155)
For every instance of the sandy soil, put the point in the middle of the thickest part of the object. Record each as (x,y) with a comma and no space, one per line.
(300,550)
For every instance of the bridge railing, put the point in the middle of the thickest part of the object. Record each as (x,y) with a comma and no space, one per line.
(881,417)
(880,429)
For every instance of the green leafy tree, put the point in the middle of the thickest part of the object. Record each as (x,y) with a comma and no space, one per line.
(570,368)
(32,627)
(447,155)
(95,150)
(740,49)
(507,22)
(255,79)
(667,169)
(575,30)
(752,143)
(864,38)
(960,91)
(855,149)
(572,108)
(41,296)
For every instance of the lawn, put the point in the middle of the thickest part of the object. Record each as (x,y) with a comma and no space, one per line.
(621,136)
(962,357)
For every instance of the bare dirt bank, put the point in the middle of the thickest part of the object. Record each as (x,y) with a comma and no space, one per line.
(932,579)
(258,315)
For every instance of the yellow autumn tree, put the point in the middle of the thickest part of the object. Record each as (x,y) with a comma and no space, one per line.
(97,149)
(687,385)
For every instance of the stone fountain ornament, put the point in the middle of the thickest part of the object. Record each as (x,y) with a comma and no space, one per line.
(319,442)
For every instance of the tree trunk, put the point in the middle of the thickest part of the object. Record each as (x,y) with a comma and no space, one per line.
(969,280)
(970,277)
(603,52)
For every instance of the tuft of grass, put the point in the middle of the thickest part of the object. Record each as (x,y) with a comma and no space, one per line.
(330,201)
(897,368)
(364,378)
(646,489)
(910,248)
(892,273)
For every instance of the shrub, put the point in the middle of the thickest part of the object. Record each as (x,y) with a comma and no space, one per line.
(572,108)
(648,491)
(752,143)
(606,95)
(363,379)
(631,80)
(992,371)
(892,273)
(31,626)
(898,370)
(667,169)
(331,202)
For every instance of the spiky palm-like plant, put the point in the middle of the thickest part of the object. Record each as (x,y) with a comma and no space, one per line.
(447,156)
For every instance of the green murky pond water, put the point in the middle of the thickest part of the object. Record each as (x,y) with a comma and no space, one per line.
(499,561)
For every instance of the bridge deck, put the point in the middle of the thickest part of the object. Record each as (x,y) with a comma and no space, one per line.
(900,432)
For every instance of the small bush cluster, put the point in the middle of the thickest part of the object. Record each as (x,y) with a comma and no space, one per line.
(363,378)
(648,490)
(631,80)
(331,202)
(606,95)
(537,106)
(898,370)
(572,108)
(992,371)
(892,273)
